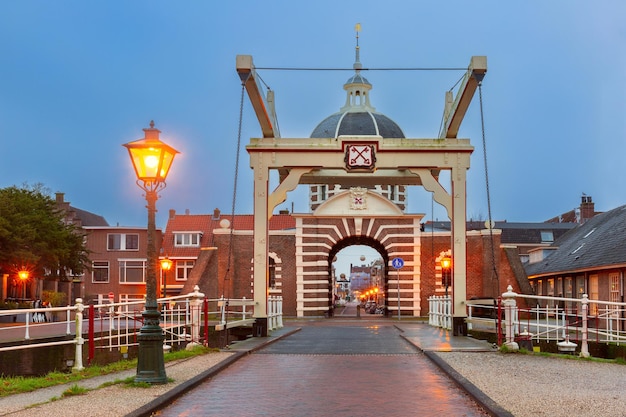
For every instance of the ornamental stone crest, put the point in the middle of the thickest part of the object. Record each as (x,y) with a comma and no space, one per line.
(358,198)
(360,157)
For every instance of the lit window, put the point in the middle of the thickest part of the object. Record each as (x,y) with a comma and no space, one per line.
(123,241)
(187,239)
(132,272)
(100,272)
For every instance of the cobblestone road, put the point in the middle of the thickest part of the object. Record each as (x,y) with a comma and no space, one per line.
(330,369)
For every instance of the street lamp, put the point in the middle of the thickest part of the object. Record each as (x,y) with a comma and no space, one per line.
(152,160)
(23,275)
(166,265)
(446,268)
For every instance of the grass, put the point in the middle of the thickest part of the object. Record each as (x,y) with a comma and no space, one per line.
(505,349)
(19,384)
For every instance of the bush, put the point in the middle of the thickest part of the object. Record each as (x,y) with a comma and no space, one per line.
(56,299)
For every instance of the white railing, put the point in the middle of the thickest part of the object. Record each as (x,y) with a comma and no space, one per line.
(440,311)
(571,322)
(116,325)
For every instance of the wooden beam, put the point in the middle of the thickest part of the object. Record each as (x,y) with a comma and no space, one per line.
(455,112)
(267,120)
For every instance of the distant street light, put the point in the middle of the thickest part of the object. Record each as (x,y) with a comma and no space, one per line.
(23,275)
(166,265)
(152,160)
(446,269)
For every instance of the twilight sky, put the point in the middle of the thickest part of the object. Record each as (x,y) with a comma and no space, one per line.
(80,78)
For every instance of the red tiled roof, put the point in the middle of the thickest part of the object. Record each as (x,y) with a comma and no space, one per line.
(206,223)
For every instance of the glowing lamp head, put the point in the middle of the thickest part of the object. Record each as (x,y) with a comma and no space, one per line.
(151,158)
(446,263)
(166,264)
(23,274)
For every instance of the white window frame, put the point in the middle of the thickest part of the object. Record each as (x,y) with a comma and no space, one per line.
(103,265)
(123,242)
(187,239)
(136,264)
(185,266)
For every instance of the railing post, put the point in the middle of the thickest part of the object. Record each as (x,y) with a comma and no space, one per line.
(280,311)
(430,310)
(584,347)
(510,305)
(222,304)
(27,324)
(270,312)
(196,299)
(243,309)
(78,357)
(68,320)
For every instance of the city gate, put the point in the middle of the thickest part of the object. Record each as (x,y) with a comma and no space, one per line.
(354,162)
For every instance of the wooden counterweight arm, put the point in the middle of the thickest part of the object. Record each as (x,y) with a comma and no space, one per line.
(260,104)
(455,112)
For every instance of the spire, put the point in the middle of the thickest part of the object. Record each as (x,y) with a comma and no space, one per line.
(357,62)
(357,86)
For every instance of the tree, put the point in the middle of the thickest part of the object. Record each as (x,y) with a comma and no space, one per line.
(35,236)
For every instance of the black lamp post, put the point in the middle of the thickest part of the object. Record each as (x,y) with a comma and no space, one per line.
(152,160)
(446,269)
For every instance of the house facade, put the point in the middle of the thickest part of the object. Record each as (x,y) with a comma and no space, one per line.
(589,259)
(117,257)
(118,263)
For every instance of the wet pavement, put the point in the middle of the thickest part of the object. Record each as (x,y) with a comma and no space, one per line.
(339,367)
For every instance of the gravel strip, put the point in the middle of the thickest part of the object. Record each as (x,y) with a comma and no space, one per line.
(119,400)
(529,385)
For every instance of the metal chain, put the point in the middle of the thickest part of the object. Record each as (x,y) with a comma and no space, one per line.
(232,211)
(482,124)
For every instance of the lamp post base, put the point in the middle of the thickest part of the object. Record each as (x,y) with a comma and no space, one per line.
(150,362)
(459,326)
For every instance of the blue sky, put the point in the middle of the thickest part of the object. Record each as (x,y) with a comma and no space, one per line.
(78,79)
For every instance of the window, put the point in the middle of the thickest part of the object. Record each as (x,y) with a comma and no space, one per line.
(593,294)
(183,269)
(187,239)
(100,272)
(132,271)
(614,287)
(568,290)
(272,269)
(123,241)
(547,236)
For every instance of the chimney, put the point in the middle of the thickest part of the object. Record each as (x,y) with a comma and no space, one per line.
(172,213)
(216,214)
(587,208)
(60,197)
(186,212)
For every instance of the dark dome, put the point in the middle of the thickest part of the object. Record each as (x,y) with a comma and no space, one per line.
(357,123)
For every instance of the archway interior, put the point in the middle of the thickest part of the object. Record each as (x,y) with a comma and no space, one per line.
(353,257)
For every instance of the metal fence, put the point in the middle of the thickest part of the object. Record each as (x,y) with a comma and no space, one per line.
(570,322)
(115,326)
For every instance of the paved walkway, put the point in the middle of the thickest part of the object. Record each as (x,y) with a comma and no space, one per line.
(192,373)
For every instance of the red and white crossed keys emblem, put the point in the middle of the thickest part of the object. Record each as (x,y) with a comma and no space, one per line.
(360,156)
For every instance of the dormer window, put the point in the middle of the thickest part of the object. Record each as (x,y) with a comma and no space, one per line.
(547,236)
(187,239)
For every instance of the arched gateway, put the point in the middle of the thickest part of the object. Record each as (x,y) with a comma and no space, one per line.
(345,172)
(338,223)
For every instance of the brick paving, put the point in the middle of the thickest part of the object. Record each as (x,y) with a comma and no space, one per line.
(330,369)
